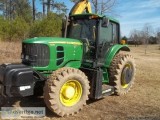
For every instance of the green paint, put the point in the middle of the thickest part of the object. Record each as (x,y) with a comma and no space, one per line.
(105,76)
(76,64)
(87,64)
(72,52)
(109,57)
(47,40)
(112,52)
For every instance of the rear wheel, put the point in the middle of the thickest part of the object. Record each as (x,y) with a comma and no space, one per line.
(66,91)
(122,73)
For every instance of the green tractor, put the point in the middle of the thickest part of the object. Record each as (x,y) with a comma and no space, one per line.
(88,63)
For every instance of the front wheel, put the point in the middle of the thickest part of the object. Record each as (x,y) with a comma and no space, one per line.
(122,73)
(66,91)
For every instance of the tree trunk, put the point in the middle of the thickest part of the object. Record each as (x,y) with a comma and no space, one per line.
(34,11)
(48,6)
(10,10)
(102,7)
(96,7)
(43,8)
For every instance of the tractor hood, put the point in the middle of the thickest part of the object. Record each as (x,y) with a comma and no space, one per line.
(51,53)
(53,40)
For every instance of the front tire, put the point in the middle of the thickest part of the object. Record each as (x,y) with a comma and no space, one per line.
(122,73)
(66,91)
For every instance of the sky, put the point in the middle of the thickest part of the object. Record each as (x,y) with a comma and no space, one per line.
(132,14)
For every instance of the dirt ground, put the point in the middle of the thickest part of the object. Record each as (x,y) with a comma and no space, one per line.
(141,103)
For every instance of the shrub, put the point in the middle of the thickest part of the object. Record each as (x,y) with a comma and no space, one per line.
(19,29)
(13,30)
(49,26)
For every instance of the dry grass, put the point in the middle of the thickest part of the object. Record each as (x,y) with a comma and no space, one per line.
(10,52)
(142,102)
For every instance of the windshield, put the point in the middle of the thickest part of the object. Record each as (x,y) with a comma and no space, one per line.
(82,29)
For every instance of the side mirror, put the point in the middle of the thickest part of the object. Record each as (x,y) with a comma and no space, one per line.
(105,22)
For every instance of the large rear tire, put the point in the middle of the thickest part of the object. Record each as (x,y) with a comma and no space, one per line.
(122,73)
(66,91)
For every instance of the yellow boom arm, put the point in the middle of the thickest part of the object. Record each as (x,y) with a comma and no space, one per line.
(80,7)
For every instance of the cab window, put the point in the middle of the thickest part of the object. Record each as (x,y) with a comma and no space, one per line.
(109,34)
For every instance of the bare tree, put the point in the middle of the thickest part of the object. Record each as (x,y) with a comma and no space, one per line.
(158,36)
(48,4)
(60,7)
(106,6)
(101,6)
(3,6)
(148,30)
(43,2)
(74,1)
(95,5)
(134,37)
(138,37)
(13,8)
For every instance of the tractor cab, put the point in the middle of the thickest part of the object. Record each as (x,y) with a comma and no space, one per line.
(97,32)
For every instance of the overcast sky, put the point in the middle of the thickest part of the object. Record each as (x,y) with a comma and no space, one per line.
(132,14)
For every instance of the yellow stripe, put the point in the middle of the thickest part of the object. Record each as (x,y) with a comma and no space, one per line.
(73,43)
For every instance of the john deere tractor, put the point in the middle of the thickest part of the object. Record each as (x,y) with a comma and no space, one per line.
(87,63)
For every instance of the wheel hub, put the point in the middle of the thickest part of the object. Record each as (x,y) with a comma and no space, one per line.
(127,74)
(69,92)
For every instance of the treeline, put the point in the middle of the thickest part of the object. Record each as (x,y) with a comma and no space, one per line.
(19,29)
(147,35)
(20,19)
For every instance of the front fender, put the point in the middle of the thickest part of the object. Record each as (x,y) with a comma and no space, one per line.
(113,51)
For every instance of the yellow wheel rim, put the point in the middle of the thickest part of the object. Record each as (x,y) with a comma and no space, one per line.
(70,93)
(123,81)
(124,85)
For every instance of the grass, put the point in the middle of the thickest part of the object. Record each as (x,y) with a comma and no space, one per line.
(10,52)
(142,102)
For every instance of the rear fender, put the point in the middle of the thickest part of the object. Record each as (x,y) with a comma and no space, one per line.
(113,51)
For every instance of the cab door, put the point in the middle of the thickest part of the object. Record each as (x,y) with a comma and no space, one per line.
(108,36)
